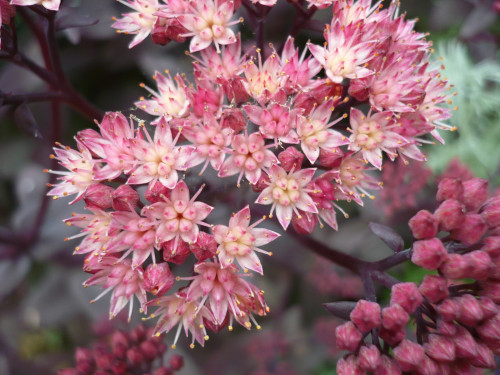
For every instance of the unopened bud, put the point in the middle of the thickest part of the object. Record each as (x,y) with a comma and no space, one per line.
(409,355)
(465,345)
(394,317)
(119,368)
(489,330)
(392,337)
(440,348)
(205,246)
(491,212)
(330,159)
(448,309)
(387,367)
(446,328)
(434,288)
(156,192)
(261,184)
(291,158)
(158,279)
(450,188)
(104,360)
(480,264)
(491,245)
(450,214)
(348,336)
(429,254)
(163,371)
(475,193)
(125,197)
(98,196)
(135,356)
(423,225)
(484,357)
(369,358)
(176,362)
(406,295)
(176,255)
(488,307)
(491,289)
(149,350)
(234,119)
(366,315)
(455,267)
(471,231)
(304,224)
(348,366)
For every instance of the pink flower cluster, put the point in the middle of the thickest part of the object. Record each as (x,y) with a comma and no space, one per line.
(124,353)
(456,311)
(236,120)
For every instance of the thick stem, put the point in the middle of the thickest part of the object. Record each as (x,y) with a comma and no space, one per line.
(391,261)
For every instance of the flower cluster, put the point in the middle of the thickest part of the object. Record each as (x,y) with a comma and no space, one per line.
(125,353)
(236,120)
(456,311)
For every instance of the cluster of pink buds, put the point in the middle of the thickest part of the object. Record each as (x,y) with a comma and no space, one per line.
(456,310)
(125,353)
(270,118)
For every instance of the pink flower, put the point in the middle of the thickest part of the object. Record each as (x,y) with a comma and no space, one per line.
(178,216)
(177,310)
(113,145)
(80,175)
(249,156)
(121,278)
(240,241)
(208,21)
(314,133)
(226,291)
(211,142)
(373,134)
(171,101)
(141,22)
(49,4)
(344,54)
(265,82)
(287,193)
(275,122)
(159,159)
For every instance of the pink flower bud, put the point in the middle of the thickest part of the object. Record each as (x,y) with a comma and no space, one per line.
(446,328)
(149,350)
(235,90)
(369,358)
(471,231)
(330,159)
(392,337)
(158,279)
(174,30)
(496,6)
(175,255)
(455,267)
(434,288)
(234,118)
(159,33)
(491,212)
(348,336)
(98,196)
(448,309)
(366,315)
(409,355)
(475,193)
(125,197)
(440,348)
(348,366)
(205,246)
(387,367)
(139,334)
(261,184)
(429,254)
(176,362)
(489,330)
(119,368)
(83,354)
(135,356)
(163,371)
(480,264)
(491,289)
(205,102)
(492,246)
(305,224)
(429,366)
(394,317)
(484,357)
(423,225)
(489,308)
(104,360)
(465,345)
(450,214)
(407,295)
(156,191)
(291,158)
(450,188)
